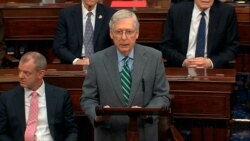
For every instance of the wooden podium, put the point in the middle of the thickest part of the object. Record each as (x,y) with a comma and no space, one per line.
(134,114)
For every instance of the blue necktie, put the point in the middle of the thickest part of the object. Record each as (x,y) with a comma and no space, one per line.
(126,80)
(88,36)
(201,37)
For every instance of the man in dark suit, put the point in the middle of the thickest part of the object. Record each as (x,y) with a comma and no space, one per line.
(180,34)
(124,75)
(69,44)
(54,120)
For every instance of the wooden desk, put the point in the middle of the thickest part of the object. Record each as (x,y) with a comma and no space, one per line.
(207,94)
(199,94)
(208,90)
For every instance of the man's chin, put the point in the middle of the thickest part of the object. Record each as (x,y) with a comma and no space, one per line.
(23,85)
(206,6)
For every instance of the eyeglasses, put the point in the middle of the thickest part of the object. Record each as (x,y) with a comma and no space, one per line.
(119,33)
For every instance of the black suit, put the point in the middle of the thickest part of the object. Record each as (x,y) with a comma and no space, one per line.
(69,36)
(59,114)
(222,38)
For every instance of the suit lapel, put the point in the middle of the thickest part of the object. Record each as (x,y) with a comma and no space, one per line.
(139,64)
(20,108)
(51,103)
(98,21)
(188,10)
(212,27)
(111,66)
(78,18)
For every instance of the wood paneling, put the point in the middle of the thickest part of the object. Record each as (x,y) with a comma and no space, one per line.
(26,22)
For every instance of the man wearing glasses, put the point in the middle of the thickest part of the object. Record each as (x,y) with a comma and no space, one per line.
(124,75)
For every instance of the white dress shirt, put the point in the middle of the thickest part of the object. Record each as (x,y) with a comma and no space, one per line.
(84,19)
(42,132)
(195,22)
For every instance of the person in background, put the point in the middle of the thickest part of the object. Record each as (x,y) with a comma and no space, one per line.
(200,34)
(36,110)
(126,74)
(77,37)
(2,44)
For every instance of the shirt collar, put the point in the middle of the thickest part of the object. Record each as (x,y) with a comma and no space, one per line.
(40,91)
(85,11)
(197,11)
(121,56)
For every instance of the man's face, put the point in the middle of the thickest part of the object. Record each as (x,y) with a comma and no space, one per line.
(89,3)
(204,4)
(29,76)
(124,35)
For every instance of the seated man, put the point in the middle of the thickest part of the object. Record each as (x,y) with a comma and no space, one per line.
(35,110)
(82,30)
(200,34)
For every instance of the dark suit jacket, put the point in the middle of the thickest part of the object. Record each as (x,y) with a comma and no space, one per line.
(59,110)
(222,40)
(102,87)
(69,36)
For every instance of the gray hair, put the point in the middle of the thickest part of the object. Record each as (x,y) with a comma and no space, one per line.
(123,14)
(39,60)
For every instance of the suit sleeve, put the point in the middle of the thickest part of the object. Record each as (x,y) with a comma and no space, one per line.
(168,44)
(230,43)
(160,94)
(89,99)
(60,45)
(3,120)
(70,126)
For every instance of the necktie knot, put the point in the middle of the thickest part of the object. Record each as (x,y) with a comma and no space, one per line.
(89,14)
(126,59)
(34,94)
(203,13)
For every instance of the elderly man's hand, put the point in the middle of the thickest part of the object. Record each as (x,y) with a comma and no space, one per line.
(83,61)
(199,62)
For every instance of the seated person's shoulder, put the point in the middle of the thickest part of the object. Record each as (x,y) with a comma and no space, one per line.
(56,89)
(226,6)
(182,4)
(107,8)
(151,50)
(71,8)
(12,92)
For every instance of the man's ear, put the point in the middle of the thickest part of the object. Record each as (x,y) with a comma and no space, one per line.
(41,74)
(111,34)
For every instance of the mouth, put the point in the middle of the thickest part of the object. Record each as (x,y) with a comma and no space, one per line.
(205,2)
(22,82)
(124,45)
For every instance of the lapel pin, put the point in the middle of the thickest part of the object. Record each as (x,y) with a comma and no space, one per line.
(100,17)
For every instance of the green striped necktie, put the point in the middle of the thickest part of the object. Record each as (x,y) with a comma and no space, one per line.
(126,80)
